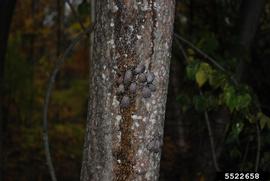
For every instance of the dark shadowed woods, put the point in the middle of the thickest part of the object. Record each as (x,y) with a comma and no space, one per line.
(172,90)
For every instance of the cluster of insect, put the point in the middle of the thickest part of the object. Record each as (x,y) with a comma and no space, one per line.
(133,81)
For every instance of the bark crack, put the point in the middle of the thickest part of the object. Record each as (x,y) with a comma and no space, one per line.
(154,21)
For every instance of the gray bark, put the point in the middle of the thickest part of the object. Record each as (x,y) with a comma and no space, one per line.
(124,142)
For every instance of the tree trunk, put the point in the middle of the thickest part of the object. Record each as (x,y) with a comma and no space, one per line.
(124,129)
(250,14)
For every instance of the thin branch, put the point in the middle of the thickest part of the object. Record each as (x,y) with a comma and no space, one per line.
(257,163)
(246,152)
(182,49)
(200,51)
(211,138)
(213,61)
(58,64)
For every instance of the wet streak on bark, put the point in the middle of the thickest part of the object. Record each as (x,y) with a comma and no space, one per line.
(125,23)
(125,143)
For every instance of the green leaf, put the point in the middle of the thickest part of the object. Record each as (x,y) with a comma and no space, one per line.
(184,102)
(209,43)
(190,51)
(263,120)
(234,101)
(239,127)
(251,118)
(217,79)
(235,131)
(243,101)
(200,103)
(230,97)
(191,70)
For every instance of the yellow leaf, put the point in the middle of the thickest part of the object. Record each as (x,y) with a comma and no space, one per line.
(203,74)
(201,77)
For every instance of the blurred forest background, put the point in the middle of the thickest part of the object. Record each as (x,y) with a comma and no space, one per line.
(230,91)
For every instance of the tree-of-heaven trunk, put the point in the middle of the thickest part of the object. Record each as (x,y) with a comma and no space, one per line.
(128,87)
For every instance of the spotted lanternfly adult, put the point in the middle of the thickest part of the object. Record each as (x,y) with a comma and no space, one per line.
(128,77)
(150,77)
(146,92)
(139,69)
(125,102)
(132,88)
(142,78)
(152,87)
(120,89)
(119,80)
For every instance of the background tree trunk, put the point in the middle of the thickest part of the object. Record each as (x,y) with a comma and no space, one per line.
(176,150)
(250,13)
(124,142)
